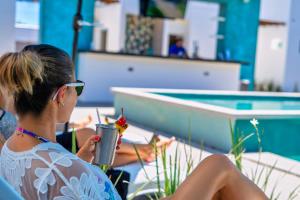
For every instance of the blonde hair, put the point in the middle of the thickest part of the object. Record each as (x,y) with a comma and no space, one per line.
(33,75)
(20,71)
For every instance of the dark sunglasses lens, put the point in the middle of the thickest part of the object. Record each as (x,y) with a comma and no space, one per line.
(79,90)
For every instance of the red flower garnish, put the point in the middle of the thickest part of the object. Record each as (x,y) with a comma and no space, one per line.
(121,121)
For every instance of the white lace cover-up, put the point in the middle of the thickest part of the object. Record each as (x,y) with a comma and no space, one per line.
(48,171)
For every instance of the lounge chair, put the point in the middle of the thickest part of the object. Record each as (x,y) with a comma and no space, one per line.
(7,191)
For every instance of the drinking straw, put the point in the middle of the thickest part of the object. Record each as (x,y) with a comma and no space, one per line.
(106,120)
(98,115)
(73,141)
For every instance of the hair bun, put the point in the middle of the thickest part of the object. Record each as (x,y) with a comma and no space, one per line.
(20,71)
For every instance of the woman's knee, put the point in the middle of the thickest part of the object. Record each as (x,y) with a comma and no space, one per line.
(218,159)
(221,162)
(222,168)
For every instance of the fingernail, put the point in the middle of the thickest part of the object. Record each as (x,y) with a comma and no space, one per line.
(97,138)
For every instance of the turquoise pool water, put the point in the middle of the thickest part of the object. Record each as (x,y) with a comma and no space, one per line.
(241,102)
(279,135)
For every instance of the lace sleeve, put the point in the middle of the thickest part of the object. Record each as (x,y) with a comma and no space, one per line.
(84,181)
(62,176)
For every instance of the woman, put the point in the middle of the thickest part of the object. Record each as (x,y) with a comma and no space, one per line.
(124,156)
(8,122)
(45,94)
(85,136)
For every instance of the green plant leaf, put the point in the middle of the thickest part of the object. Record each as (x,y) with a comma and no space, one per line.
(74,141)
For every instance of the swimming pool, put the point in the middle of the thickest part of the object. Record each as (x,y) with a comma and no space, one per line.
(242,102)
(205,115)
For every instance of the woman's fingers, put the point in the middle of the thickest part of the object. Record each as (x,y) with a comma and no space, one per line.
(92,141)
(96,138)
(87,151)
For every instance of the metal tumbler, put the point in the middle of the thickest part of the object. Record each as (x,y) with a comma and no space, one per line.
(106,148)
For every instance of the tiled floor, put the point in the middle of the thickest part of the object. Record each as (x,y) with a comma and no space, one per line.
(285,176)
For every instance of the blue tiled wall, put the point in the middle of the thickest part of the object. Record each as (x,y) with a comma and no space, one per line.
(240,31)
(56,23)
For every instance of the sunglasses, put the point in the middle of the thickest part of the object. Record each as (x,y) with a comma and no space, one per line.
(79,85)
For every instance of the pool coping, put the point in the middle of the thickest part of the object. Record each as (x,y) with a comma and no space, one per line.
(279,162)
(228,112)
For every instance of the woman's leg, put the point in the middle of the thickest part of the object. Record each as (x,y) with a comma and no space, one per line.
(83,135)
(124,159)
(217,178)
(82,123)
(145,148)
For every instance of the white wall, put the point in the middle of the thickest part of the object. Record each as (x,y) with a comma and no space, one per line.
(176,27)
(157,36)
(292,75)
(275,10)
(7,26)
(27,13)
(102,71)
(271,54)
(112,17)
(282,66)
(25,33)
(202,28)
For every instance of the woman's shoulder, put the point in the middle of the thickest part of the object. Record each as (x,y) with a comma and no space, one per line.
(40,156)
(47,154)
(41,148)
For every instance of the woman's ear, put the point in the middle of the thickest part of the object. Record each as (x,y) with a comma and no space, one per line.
(61,94)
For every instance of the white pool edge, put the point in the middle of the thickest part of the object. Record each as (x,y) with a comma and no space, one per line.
(230,113)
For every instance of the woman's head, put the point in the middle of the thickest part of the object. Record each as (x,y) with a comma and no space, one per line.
(38,77)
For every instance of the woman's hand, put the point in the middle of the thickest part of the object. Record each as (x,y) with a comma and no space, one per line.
(87,151)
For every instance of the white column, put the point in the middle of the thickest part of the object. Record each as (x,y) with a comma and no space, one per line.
(7,25)
(292,72)
(113,19)
(202,28)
